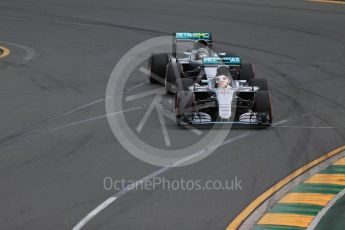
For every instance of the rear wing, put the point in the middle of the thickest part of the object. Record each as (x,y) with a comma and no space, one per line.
(216,61)
(191,36)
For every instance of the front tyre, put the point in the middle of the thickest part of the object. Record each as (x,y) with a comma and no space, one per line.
(263,107)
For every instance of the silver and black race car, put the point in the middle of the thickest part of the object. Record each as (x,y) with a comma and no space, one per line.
(223,93)
(186,60)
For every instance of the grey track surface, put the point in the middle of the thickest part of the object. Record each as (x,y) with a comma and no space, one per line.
(62,55)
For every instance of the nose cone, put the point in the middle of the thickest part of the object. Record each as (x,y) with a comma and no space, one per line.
(224,97)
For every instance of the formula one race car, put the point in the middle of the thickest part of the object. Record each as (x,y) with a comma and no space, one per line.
(223,93)
(188,51)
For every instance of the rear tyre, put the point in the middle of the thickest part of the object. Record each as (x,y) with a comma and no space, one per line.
(157,68)
(173,72)
(261,83)
(263,107)
(247,71)
(184,104)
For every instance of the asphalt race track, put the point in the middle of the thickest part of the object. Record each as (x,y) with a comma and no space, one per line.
(56,146)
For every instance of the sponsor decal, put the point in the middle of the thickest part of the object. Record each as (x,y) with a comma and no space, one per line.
(222,61)
(186,35)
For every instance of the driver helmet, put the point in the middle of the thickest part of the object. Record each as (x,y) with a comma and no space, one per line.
(200,49)
(223,81)
(200,44)
(201,53)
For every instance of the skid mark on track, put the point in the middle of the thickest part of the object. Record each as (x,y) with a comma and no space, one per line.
(22,133)
(328,1)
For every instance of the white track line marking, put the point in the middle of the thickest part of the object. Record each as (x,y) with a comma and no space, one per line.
(81,107)
(160,171)
(111,199)
(130,187)
(94,212)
